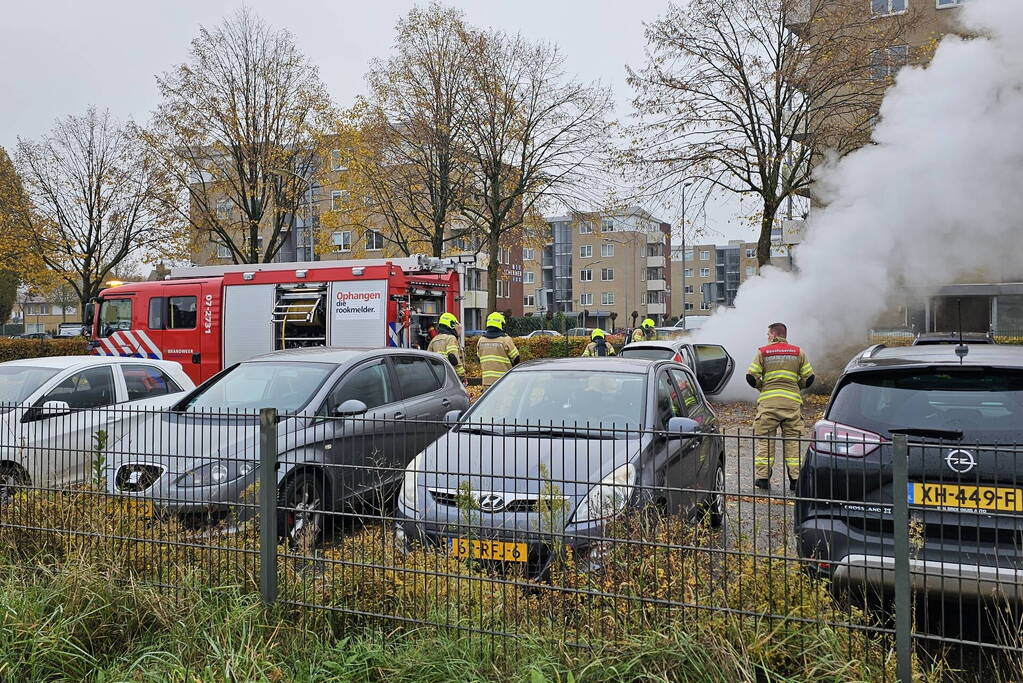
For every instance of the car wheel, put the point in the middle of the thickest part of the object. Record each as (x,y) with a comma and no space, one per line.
(716,504)
(301,503)
(12,478)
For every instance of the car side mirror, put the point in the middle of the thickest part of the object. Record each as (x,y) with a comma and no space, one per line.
(683,425)
(54,408)
(452,417)
(350,408)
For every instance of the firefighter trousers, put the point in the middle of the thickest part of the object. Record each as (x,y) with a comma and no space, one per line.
(772,415)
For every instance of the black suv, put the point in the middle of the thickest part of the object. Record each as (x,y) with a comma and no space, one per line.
(964,421)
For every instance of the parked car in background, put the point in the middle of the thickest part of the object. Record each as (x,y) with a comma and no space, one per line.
(197,461)
(543,333)
(70,330)
(34,335)
(579,332)
(931,338)
(710,361)
(52,408)
(563,448)
(964,421)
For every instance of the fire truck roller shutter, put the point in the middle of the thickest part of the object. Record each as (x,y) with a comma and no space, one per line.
(358,314)
(248,330)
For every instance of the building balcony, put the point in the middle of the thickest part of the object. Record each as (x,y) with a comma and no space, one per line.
(656,285)
(796,125)
(655,261)
(797,18)
(475,298)
(657,309)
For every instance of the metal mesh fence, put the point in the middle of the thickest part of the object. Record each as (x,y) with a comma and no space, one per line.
(905,552)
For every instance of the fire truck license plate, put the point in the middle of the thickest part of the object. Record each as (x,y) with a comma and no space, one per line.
(488,550)
(973,497)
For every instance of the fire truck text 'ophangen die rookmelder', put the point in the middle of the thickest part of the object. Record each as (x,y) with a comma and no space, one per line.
(208,318)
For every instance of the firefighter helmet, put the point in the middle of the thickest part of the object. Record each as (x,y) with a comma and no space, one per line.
(495,319)
(649,323)
(597,334)
(448,320)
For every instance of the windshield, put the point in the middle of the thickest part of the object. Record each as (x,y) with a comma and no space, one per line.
(985,404)
(114,316)
(647,353)
(537,398)
(286,386)
(17,382)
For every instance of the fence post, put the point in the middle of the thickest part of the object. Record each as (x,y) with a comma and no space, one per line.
(268,505)
(903,596)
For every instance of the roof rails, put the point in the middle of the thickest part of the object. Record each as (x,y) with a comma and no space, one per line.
(871,351)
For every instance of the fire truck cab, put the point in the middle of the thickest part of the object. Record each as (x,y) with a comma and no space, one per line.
(208,318)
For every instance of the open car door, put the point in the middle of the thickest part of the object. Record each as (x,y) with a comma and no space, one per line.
(714,367)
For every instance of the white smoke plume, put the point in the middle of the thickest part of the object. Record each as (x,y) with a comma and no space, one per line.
(939,196)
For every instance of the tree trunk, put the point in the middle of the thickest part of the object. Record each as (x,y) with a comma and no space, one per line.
(764,242)
(253,240)
(437,241)
(493,268)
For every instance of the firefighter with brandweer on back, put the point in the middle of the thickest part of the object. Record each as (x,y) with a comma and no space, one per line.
(496,350)
(446,343)
(779,371)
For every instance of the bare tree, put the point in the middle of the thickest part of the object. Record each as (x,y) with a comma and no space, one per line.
(97,201)
(532,137)
(236,130)
(732,98)
(414,127)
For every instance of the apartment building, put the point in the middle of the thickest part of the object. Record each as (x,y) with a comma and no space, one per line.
(709,275)
(598,264)
(43,314)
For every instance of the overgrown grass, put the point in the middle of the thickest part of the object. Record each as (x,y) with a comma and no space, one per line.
(79,598)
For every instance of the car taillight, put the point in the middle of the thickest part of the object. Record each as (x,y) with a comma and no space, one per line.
(677,357)
(838,439)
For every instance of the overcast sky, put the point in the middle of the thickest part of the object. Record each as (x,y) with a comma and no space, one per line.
(60,56)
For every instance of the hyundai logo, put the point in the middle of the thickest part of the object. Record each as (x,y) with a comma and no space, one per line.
(491,502)
(960,461)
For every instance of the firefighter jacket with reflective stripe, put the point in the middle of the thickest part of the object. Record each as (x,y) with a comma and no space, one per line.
(496,356)
(639,335)
(447,346)
(780,370)
(593,350)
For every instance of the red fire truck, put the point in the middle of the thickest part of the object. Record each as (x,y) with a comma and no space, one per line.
(208,318)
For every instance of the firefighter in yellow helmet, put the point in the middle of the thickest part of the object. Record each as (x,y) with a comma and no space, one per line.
(496,350)
(645,332)
(599,346)
(446,343)
(779,371)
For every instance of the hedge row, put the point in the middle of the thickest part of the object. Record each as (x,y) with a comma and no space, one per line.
(16,349)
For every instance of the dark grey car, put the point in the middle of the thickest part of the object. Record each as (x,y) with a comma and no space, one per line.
(558,449)
(350,422)
(711,362)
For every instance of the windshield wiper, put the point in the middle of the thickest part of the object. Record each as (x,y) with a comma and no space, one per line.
(580,432)
(469,429)
(946,434)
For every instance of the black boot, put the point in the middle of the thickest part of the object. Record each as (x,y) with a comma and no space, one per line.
(763,484)
(792,484)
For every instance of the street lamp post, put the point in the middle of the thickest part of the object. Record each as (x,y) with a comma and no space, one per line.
(684,301)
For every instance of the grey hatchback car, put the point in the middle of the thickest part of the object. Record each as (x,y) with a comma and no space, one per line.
(350,421)
(557,450)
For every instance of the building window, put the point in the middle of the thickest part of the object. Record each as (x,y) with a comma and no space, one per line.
(704,255)
(885,63)
(607,250)
(689,289)
(504,256)
(529,301)
(503,289)
(751,253)
(224,207)
(607,274)
(338,199)
(374,240)
(341,240)
(586,275)
(586,251)
(941,4)
(585,299)
(586,228)
(880,8)
(687,255)
(688,272)
(607,225)
(223,251)
(704,272)
(528,277)
(607,298)
(751,270)
(337,162)
(689,306)
(706,305)
(527,253)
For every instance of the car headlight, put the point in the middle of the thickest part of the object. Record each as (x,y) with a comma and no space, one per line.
(608,498)
(409,487)
(216,472)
